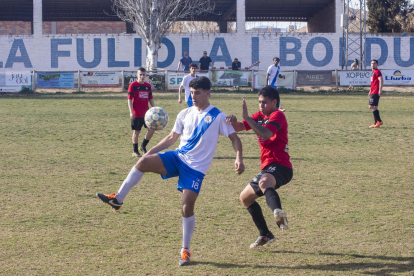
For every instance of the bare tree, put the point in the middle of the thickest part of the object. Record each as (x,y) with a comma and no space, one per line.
(153,19)
(200,27)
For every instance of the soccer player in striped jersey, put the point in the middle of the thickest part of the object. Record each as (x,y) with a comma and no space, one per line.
(186,84)
(199,127)
(273,73)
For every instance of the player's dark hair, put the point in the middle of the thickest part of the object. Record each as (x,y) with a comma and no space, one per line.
(376,61)
(271,93)
(276,58)
(192,64)
(200,82)
(142,69)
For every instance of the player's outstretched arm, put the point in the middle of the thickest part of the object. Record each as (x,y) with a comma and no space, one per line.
(167,142)
(237,145)
(260,131)
(238,126)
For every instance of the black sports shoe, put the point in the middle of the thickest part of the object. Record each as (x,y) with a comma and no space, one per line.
(110,199)
(143,149)
(136,154)
(263,240)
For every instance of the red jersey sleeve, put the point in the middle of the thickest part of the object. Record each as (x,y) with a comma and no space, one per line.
(131,91)
(255,117)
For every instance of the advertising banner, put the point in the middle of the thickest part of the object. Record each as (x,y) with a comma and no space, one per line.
(55,80)
(398,77)
(15,81)
(355,77)
(308,77)
(287,82)
(231,78)
(175,78)
(100,79)
(157,80)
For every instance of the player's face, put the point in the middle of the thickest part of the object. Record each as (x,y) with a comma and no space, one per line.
(200,97)
(185,53)
(374,65)
(275,62)
(141,76)
(267,106)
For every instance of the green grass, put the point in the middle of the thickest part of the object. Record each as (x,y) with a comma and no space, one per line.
(350,203)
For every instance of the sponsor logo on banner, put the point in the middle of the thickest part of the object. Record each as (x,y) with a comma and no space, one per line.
(100,79)
(176,78)
(398,77)
(156,80)
(355,78)
(307,77)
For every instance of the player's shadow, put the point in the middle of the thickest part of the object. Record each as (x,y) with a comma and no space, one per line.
(360,264)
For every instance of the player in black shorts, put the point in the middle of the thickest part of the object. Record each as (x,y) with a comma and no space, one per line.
(271,128)
(375,93)
(139,95)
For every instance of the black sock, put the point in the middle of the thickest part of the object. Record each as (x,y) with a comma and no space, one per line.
(272,199)
(258,219)
(377,116)
(144,143)
(135,147)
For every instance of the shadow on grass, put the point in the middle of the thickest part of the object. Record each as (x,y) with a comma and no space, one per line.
(380,268)
(386,268)
(229,265)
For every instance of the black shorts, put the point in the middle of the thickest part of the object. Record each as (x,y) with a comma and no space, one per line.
(137,123)
(374,99)
(281,173)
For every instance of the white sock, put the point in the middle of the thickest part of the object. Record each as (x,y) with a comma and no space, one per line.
(132,179)
(188,230)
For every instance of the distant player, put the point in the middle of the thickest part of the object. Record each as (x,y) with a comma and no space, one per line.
(271,128)
(139,94)
(199,127)
(375,93)
(273,73)
(186,84)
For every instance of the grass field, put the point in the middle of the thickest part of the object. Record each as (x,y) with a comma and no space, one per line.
(350,203)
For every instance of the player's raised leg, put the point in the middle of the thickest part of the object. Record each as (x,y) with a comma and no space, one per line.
(148,163)
(267,185)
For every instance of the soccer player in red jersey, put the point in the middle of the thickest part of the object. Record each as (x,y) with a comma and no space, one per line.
(139,94)
(375,93)
(271,128)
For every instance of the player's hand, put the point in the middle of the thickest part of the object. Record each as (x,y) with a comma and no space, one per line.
(179,101)
(245,113)
(239,166)
(231,119)
(284,77)
(132,116)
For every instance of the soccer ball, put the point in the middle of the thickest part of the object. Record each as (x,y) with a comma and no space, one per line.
(156,118)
